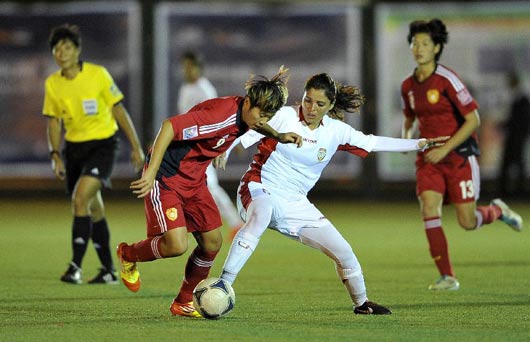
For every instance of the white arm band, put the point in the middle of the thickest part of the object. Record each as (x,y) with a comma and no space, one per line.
(386,144)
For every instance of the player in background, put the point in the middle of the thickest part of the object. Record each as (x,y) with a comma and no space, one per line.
(435,96)
(512,176)
(273,191)
(173,183)
(196,89)
(83,98)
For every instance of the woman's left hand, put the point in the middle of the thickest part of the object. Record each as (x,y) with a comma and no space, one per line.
(143,186)
(434,155)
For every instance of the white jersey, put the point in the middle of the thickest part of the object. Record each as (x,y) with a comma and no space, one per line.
(294,170)
(191,94)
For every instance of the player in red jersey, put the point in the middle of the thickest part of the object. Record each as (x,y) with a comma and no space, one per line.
(173,183)
(435,96)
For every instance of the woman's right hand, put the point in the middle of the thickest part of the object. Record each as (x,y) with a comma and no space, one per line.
(290,137)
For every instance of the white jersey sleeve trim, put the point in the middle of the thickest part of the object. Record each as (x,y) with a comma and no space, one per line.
(451,77)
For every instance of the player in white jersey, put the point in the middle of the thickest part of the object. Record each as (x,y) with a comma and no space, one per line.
(196,89)
(273,191)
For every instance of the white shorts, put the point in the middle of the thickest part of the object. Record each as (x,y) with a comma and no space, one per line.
(291,212)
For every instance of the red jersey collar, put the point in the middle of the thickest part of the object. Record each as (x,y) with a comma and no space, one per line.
(301,116)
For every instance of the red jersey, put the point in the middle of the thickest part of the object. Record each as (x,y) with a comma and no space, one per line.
(201,134)
(439,104)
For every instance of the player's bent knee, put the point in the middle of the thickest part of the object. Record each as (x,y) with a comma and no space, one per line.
(213,245)
(348,273)
(173,247)
(348,267)
(174,251)
(468,224)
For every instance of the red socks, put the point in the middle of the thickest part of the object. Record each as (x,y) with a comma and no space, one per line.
(438,245)
(197,269)
(145,250)
(489,213)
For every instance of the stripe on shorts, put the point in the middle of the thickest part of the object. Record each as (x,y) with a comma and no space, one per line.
(157,207)
(475,175)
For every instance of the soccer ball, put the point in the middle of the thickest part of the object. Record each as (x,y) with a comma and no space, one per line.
(213,298)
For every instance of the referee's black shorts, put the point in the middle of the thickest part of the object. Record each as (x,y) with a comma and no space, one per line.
(90,158)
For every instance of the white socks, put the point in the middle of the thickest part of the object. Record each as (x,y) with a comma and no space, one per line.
(354,283)
(242,248)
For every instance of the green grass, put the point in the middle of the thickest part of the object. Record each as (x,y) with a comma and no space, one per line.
(286,292)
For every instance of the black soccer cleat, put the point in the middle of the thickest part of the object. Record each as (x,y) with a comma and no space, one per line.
(371,308)
(104,277)
(72,274)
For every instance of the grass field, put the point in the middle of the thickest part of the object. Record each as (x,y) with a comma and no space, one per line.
(287,292)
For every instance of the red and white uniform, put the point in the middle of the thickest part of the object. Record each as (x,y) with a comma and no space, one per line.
(180,196)
(287,172)
(273,192)
(190,94)
(439,104)
(294,169)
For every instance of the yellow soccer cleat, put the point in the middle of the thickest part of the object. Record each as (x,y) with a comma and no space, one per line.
(184,309)
(128,271)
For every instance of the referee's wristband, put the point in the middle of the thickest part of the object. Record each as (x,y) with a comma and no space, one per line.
(52,152)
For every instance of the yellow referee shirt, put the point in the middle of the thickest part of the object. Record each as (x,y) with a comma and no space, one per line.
(84,103)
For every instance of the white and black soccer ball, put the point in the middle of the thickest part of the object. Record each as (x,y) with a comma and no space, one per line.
(214,298)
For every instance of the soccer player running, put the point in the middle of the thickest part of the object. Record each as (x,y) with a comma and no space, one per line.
(83,98)
(173,183)
(195,89)
(436,97)
(273,191)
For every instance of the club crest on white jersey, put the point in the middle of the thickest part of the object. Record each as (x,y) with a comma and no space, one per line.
(322,152)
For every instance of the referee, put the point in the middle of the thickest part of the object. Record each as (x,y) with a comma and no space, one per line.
(83,99)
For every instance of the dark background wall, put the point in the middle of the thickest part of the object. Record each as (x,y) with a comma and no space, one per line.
(366,185)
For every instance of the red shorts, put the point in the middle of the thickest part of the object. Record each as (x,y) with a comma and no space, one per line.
(456,177)
(169,209)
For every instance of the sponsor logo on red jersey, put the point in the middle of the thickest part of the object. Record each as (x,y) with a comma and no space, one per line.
(190,132)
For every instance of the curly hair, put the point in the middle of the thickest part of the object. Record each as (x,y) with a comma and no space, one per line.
(268,95)
(345,98)
(65,31)
(435,28)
